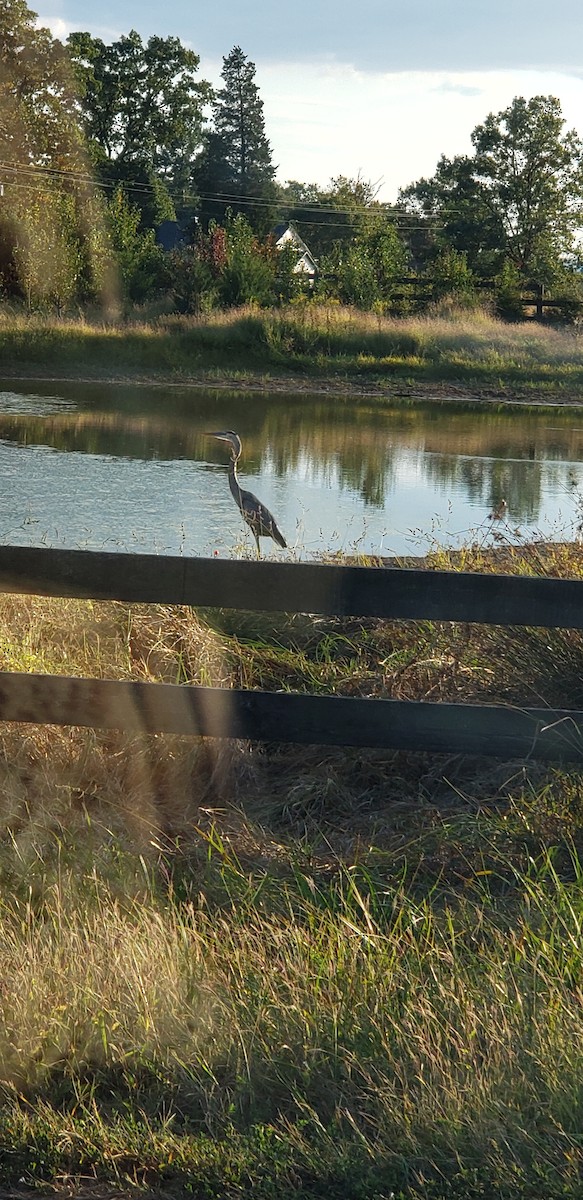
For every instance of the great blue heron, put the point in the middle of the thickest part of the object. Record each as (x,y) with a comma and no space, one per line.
(257,516)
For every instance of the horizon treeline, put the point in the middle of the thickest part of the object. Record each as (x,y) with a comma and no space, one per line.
(103,145)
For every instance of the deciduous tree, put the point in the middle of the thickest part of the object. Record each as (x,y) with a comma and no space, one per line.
(50,217)
(330,217)
(143,111)
(140,260)
(141,103)
(518,197)
(38,119)
(368,267)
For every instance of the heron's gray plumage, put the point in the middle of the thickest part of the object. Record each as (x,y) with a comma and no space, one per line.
(257,516)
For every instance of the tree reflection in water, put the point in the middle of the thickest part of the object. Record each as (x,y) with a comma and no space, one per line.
(380,455)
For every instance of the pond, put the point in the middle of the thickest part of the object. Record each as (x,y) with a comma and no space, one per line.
(125,467)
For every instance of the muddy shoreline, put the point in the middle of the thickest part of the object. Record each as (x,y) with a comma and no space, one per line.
(450,391)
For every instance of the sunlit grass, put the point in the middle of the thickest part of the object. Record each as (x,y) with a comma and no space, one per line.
(321,340)
(238,972)
(433,1042)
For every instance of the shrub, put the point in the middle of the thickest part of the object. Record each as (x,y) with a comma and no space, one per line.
(508,293)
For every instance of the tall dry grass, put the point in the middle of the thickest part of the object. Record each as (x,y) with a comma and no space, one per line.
(155,790)
(98,783)
(362,972)
(443,1039)
(318,339)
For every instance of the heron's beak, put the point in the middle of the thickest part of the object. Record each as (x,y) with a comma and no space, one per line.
(231,441)
(223,437)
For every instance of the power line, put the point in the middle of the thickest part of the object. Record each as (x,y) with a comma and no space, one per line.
(352,220)
(409,228)
(32,186)
(177,193)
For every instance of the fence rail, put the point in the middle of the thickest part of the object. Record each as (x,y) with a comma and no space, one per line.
(532,296)
(390,592)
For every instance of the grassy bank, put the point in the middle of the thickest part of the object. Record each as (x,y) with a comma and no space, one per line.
(236,971)
(330,344)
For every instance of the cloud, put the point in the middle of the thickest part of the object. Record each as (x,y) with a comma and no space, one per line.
(395,35)
(61,28)
(375,35)
(331,120)
(373,89)
(458,89)
(58,27)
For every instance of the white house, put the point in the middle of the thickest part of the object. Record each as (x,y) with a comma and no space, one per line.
(284,235)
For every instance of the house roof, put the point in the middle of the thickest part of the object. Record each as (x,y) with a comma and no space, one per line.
(286,235)
(284,232)
(305,265)
(169,234)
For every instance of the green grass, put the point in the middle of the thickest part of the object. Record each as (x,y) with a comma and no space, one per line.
(229,971)
(247,1035)
(331,342)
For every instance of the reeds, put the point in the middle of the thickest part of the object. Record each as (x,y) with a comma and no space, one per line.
(322,340)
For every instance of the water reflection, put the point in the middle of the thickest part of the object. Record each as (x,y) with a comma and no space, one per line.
(95,464)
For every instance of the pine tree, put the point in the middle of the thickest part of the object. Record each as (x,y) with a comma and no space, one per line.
(236,171)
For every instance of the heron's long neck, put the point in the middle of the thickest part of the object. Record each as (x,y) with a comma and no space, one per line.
(234,484)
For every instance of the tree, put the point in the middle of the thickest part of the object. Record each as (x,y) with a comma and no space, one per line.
(50,217)
(225,265)
(530,175)
(452,278)
(248,273)
(38,119)
(519,197)
(369,266)
(47,252)
(140,103)
(236,171)
(140,261)
(146,191)
(329,218)
(450,213)
(143,111)
(196,270)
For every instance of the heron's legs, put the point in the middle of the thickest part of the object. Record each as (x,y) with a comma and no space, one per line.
(258,546)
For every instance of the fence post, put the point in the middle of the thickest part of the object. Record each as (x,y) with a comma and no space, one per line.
(540,298)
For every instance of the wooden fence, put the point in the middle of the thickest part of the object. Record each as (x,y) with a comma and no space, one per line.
(532,296)
(389,592)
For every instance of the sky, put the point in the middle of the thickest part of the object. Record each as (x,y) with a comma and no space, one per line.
(379,88)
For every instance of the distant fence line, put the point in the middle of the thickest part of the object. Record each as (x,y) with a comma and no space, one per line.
(386,592)
(535,296)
